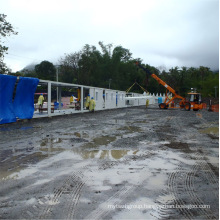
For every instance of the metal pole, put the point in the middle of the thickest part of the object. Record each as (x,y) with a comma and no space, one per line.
(49,99)
(82,99)
(109,83)
(215,91)
(57,81)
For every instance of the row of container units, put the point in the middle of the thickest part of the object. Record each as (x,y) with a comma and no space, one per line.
(26,97)
(57,100)
(109,99)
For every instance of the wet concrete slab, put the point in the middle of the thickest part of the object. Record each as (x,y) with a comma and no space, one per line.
(132,163)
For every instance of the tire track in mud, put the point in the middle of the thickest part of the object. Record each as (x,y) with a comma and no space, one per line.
(71,188)
(176,191)
(181,183)
(106,207)
(119,197)
(46,205)
(209,174)
(75,195)
(74,198)
(193,196)
(103,209)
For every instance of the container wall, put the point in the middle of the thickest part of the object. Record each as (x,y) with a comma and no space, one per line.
(110,99)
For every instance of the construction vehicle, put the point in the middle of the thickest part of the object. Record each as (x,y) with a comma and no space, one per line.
(193,102)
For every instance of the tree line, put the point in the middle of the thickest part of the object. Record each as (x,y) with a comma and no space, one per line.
(114,67)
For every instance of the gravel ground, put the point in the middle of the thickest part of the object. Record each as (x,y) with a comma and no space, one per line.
(131,163)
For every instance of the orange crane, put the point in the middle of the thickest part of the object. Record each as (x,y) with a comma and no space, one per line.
(194,101)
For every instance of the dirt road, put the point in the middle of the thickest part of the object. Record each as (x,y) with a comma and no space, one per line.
(128,163)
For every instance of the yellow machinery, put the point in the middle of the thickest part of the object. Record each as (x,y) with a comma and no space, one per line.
(194,101)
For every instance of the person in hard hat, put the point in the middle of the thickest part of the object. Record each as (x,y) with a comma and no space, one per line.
(71,99)
(41,100)
(147,103)
(169,97)
(92,105)
(103,104)
(87,101)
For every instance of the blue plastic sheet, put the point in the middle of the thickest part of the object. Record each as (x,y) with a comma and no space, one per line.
(24,98)
(7,84)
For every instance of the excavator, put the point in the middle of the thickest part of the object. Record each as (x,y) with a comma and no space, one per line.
(193,102)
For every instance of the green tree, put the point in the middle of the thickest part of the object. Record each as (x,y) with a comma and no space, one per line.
(94,67)
(46,70)
(69,68)
(6,29)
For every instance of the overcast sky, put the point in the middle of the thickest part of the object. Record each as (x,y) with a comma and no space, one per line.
(161,32)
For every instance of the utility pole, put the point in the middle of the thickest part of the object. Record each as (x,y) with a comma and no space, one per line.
(215,91)
(109,83)
(57,71)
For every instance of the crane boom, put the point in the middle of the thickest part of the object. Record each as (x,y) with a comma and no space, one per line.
(195,100)
(170,89)
(160,81)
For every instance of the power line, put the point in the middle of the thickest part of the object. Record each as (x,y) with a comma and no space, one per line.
(10,54)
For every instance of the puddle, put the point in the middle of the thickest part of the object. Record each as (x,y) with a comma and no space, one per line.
(130,129)
(141,122)
(46,141)
(179,146)
(99,141)
(120,121)
(157,181)
(211,130)
(19,162)
(26,128)
(213,160)
(4,175)
(16,128)
(52,149)
(47,145)
(151,143)
(81,134)
(116,121)
(104,154)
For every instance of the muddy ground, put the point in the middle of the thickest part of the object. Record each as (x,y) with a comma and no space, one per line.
(129,163)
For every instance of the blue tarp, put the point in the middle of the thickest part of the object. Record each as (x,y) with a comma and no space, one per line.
(24,98)
(7,84)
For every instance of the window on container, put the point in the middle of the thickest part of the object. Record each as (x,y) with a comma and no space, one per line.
(96,96)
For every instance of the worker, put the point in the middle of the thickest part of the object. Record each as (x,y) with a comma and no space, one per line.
(169,96)
(87,101)
(147,103)
(92,105)
(71,99)
(41,100)
(103,103)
